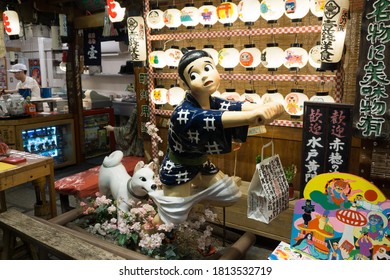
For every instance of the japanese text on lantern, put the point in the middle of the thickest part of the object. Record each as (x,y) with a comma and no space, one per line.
(375,81)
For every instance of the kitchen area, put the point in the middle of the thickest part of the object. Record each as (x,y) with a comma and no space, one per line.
(50,127)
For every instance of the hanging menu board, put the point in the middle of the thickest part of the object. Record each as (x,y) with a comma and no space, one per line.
(372,115)
(326,139)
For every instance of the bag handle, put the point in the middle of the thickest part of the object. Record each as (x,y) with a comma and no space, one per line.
(270,143)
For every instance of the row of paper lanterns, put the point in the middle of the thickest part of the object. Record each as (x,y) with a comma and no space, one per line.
(227,13)
(272,57)
(293,102)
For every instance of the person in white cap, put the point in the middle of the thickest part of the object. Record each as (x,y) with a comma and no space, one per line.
(25,81)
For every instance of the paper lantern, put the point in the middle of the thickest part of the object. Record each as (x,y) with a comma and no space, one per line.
(294,102)
(315,56)
(230,94)
(333,33)
(272,57)
(317,8)
(172,18)
(155,19)
(211,51)
(216,94)
(322,96)
(295,57)
(158,59)
(115,12)
(159,95)
(227,13)
(173,55)
(189,16)
(175,95)
(271,10)
(250,57)
(11,24)
(208,14)
(250,96)
(273,95)
(228,57)
(296,9)
(249,11)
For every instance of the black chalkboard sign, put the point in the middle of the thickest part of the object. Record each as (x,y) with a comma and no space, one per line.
(92,48)
(326,139)
(372,102)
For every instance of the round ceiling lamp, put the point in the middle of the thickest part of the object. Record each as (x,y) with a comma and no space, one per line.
(228,57)
(155,19)
(227,13)
(315,56)
(322,96)
(189,16)
(271,10)
(157,58)
(272,95)
(272,57)
(175,95)
(249,11)
(208,14)
(295,57)
(172,18)
(317,8)
(211,51)
(159,95)
(173,56)
(294,102)
(250,96)
(115,12)
(296,9)
(250,57)
(230,94)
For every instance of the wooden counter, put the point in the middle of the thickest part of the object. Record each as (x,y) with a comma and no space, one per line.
(11,132)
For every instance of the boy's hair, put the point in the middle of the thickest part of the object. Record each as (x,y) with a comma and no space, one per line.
(187,58)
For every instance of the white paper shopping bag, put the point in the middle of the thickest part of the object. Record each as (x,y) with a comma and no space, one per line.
(268,190)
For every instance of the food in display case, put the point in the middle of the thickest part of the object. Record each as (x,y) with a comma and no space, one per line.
(46,141)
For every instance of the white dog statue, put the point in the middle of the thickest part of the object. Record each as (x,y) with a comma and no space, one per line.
(114,180)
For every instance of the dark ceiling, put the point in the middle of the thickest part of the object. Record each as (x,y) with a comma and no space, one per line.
(46,11)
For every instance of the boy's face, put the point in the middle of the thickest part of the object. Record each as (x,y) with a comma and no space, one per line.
(202,76)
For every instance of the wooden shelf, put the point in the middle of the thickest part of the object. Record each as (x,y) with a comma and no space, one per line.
(236,217)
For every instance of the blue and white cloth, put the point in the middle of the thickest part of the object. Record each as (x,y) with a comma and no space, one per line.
(195,133)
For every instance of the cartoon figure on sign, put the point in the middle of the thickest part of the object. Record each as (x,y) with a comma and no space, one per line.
(307,209)
(339,191)
(376,225)
(335,253)
(306,244)
(201,125)
(364,242)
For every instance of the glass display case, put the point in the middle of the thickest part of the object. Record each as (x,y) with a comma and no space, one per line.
(48,138)
(97,141)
